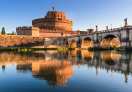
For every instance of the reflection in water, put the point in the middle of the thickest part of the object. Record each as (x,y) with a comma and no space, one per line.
(3,67)
(110,56)
(56,73)
(57,67)
(87,55)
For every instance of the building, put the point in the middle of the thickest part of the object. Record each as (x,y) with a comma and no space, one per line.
(54,24)
(53,21)
(24,30)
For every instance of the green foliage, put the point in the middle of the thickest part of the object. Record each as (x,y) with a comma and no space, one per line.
(3,31)
(13,33)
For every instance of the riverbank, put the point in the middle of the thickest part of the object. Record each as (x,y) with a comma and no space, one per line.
(29,49)
(107,49)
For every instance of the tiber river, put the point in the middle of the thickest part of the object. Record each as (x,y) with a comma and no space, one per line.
(73,71)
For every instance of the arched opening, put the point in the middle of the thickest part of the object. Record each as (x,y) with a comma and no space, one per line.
(110,58)
(73,44)
(110,41)
(65,42)
(87,43)
(87,55)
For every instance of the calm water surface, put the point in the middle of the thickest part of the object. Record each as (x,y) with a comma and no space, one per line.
(74,71)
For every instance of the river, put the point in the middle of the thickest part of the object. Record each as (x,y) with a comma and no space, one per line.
(70,71)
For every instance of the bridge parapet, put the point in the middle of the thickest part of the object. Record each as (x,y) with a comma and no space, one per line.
(123,34)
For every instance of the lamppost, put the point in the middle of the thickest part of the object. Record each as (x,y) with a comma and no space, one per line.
(127,33)
(97,35)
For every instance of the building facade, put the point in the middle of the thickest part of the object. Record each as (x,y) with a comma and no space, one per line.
(54,24)
(53,21)
(24,30)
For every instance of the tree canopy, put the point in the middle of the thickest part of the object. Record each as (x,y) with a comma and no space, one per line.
(3,31)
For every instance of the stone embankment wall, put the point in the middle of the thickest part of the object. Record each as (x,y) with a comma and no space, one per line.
(15,40)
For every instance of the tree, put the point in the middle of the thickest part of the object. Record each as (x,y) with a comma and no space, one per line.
(3,31)
(13,33)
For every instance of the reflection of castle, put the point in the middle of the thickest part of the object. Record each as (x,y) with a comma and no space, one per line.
(54,24)
(56,73)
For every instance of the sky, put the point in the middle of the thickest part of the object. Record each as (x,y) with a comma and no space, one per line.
(84,13)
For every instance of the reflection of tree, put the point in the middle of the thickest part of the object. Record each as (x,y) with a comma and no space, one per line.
(3,67)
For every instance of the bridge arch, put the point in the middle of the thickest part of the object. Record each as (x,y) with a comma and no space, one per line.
(87,43)
(73,43)
(110,41)
(110,58)
(87,55)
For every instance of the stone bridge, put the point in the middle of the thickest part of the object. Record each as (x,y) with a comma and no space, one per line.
(118,37)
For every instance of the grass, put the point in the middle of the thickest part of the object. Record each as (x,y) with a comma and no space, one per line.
(29,49)
(24,49)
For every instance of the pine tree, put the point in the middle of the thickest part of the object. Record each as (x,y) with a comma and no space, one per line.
(3,31)
(13,33)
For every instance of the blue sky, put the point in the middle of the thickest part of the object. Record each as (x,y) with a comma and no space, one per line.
(84,13)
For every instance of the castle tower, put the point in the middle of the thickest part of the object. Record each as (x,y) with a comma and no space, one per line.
(54,21)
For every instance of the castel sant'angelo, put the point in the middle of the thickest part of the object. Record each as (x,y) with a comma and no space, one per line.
(54,24)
